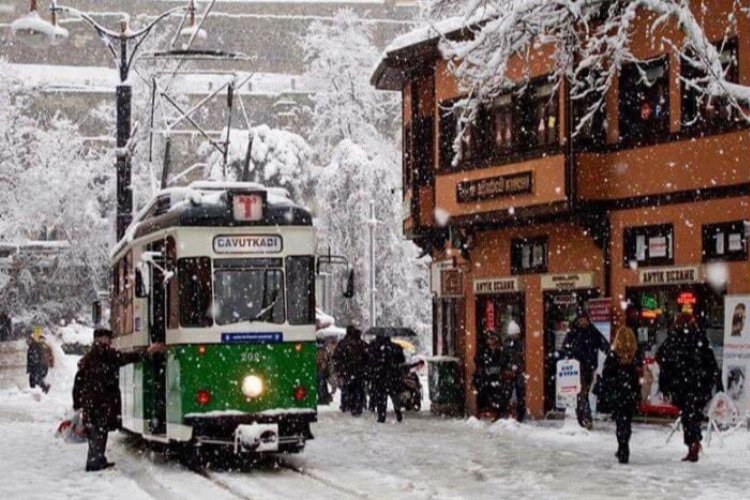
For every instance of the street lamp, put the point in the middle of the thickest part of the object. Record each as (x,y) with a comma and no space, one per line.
(123,45)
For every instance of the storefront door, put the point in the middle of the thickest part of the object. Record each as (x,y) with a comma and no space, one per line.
(495,312)
(560,310)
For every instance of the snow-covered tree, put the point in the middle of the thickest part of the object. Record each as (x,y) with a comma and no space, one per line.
(355,130)
(591,40)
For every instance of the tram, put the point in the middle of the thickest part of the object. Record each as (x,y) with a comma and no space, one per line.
(224,275)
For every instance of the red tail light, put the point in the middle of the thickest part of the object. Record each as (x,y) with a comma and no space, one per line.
(300,393)
(203,397)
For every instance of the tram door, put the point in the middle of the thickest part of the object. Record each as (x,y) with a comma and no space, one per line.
(157,365)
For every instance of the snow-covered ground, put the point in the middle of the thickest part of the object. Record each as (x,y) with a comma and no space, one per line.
(423,457)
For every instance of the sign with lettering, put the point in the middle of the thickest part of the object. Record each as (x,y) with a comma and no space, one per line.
(495,285)
(248,243)
(451,283)
(736,356)
(248,207)
(670,275)
(436,270)
(567,382)
(494,187)
(567,281)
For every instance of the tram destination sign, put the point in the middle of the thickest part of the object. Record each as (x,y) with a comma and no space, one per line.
(248,243)
(494,187)
(670,275)
(248,207)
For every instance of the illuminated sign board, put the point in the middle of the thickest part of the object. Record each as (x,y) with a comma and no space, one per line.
(248,207)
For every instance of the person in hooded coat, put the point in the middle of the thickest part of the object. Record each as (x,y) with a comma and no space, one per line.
(620,391)
(488,369)
(350,360)
(39,360)
(96,392)
(583,343)
(688,373)
(386,371)
(513,371)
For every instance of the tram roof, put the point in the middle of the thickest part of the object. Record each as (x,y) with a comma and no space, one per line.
(207,204)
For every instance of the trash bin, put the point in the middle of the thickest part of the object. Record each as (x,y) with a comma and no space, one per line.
(446,385)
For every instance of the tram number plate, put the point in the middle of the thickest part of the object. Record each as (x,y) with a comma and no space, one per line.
(250,357)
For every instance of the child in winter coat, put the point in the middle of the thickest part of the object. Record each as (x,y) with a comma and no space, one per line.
(621,389)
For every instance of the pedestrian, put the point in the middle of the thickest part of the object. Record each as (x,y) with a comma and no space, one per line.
(620,389)
(96,392)
(486,380)
(583,343)
(324,368)
(387,364)
(6,327)
(350,360)
(513,371)
(39,359)
(688,373)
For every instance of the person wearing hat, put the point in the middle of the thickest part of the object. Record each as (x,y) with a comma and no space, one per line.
(96,392)
(38,360)
(486,380)
(620,388)
(513,374)
(583,343)
(350,359)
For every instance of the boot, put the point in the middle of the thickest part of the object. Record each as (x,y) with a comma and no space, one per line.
(623,453)
(693,452)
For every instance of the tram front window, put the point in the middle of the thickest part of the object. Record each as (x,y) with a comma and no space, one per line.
(248,290)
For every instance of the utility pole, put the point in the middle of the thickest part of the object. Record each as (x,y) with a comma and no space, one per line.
(372,224)
(124,95)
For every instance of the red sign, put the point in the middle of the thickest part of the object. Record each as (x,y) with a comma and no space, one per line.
(247,207)
(489,315)
(600,310)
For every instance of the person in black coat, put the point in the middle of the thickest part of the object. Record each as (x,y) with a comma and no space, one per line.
(38,357)
(488,369)
(513,374)
(350,359)
(386,371)
(96,392)
(583,343)
(688,373)
(6,327)
(620,390)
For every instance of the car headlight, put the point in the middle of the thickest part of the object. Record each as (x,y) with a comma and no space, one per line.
(252,386)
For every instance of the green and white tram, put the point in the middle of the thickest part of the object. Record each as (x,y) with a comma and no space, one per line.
(224,274)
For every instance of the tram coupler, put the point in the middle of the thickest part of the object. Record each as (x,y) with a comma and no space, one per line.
(256,438)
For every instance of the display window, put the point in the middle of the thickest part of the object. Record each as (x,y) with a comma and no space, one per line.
(496,312)
(648,246)
(644,100)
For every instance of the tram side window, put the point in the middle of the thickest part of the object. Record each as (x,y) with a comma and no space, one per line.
(300,285)
(195,291)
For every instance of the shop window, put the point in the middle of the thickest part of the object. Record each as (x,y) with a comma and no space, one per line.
(446,325)
(545,106)
(727,241)
(504,130)
(529,255)
(701,112)
(649,246)
(644,101)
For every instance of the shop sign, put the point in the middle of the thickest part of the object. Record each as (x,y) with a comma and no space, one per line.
(495,285)
(736,357)
(494,187)
(670,275)
(567,382)
(451,283)
(436,270)
(600,313)
(569,281)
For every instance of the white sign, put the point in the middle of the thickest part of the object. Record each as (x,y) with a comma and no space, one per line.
(436,269)
(670,275)
(567,281)
(568,383)
(495,285)
(248,243)
(736,364)
(247,207)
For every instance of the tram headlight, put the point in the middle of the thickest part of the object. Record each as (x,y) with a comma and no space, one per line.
(252,386)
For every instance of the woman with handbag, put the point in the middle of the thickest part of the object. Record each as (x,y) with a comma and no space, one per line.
(620,389)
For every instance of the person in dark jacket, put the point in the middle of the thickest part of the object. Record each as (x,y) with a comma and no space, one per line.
(583,343)
(620,390)
(513,376)
(350,360)
(488,369)
(96,392)
(38,360)
(387,362)
(324,372)
(688,373)
(6,327)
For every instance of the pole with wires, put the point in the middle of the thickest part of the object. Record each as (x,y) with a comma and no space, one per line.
(372,223)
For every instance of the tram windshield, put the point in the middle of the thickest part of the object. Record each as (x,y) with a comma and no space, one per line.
(248,290)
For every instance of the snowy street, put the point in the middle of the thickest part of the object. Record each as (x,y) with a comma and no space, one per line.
(424,457)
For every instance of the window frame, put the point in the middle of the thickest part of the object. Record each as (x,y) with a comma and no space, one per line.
(709,231)
(629,83)
(290,318)
(630,245)
(207,319)
(517,250)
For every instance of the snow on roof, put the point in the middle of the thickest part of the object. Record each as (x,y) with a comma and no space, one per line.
(426,33)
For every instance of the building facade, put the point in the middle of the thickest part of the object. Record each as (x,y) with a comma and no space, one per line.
(649,205)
